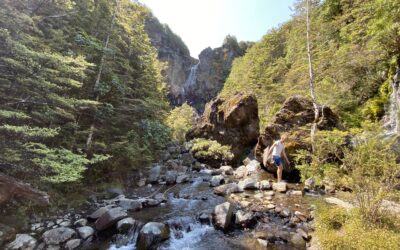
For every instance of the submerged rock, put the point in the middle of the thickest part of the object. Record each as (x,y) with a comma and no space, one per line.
(217,180)
(151,234)
(130,204)
(223,215)
(227,189)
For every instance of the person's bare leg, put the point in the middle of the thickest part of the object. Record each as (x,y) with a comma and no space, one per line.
(279,173)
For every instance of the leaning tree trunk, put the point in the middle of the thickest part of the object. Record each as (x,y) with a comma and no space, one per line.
(311,82)
(98,77)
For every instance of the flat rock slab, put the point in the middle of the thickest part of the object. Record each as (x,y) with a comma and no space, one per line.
(58,235)
(22,241)
(339,202)
(223,215)
(280,187)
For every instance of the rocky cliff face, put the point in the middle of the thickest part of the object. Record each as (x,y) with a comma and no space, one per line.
(189,79)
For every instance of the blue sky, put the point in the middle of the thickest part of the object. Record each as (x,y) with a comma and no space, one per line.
(205,23)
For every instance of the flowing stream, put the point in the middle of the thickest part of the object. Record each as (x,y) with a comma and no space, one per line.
(392,125)
(191,80)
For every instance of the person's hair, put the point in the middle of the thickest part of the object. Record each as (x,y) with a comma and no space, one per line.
(284,135)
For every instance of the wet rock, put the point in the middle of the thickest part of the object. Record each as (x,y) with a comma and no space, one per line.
(124,225)
(265,185)
(85,232)
(171,177)
(58,235)
(279,187)
(182,178)
(110,217)
(130,204)
(263,243)
(151,202)
(244,219)
(298,241)
(160,197)
(248,183)
(66,223)
(81,222)
(228,170)
(205,217)
(22,242)
(187,159)
(72,244)
(227,189)
(151,234)
(223,215)
(217,180)
(154,174)
(217,172)
(231,122)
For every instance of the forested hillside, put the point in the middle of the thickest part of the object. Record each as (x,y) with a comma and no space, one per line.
(355,51)
(80,86)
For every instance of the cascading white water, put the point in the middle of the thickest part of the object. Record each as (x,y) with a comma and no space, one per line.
(191,80)
(392,125)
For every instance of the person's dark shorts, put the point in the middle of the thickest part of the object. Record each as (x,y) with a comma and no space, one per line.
(277,160)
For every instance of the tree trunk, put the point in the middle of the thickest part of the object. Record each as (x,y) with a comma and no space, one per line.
(311,82)
(98,77)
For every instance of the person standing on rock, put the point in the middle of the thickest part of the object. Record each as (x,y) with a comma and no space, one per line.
(278,150)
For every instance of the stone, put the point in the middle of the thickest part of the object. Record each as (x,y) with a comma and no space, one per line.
(279,187)
(81,222)
(197,166)
(264,185)
(232,122)
(204,217)
(223,215)
(285,213)
(240,172)
(154,174)
(244,204)
(160,197)
(50,224)
(187,159)
(303,234)
(339,202)
(85,232)
(263,243)
(152,202)
(124,225)
(129,204)
(217,180)
(53,247)
(99,212)
(244,219)
(269,193)
(309,184)
(270,206)
(170,177)
(22,242)
(58,235)
(301,216)
(73,244)
(217,172)
(151,234)
(182,178)
(141,182)
(66,223)
(295,193)
(109,218)
(228,170)
(248,183)
(298,241)
(227,189)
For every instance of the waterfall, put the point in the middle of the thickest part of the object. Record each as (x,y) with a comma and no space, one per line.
(392,125)
(191,80)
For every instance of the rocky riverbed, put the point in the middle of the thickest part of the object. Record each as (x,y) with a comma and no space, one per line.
(182,204)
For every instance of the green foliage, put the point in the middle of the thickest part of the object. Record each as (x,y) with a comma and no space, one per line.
(374,108)
(338,229)
(203,148)
(372,170)
(61,165)
(353,46)
(30,131)
(180,120)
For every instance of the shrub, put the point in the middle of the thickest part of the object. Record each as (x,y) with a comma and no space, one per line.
(180,120)
(211,150)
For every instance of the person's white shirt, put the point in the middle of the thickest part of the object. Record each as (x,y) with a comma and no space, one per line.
(278,148)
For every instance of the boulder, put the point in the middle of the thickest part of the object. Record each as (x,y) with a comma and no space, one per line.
(309,184)
(248,183)
(130,204)
(81,222)
(58,235)
(85,232)
(187,159)
(227,189)
(22,242)
(223,215)
(171,177)
(297,112)
(182,178)
(232,122)
(124,225)
(99,212)
(109,218)
(298,241)
(154,174)
(240,172)
(72,244)
(217,180)
(243,219)
(228,170)
(151,234)
(264,185)
(279,187)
